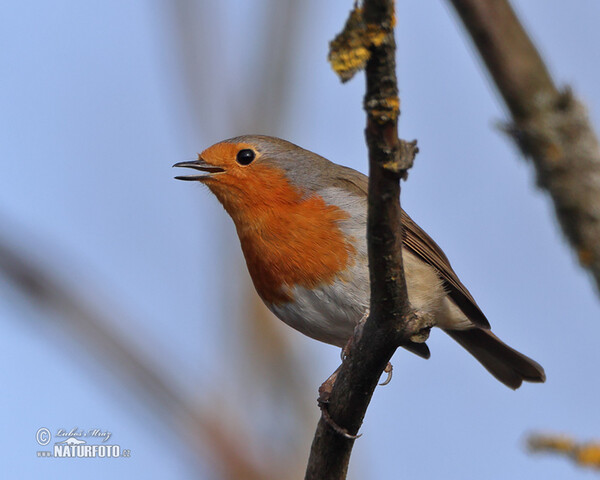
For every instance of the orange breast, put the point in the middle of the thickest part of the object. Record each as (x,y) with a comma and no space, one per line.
(287,240)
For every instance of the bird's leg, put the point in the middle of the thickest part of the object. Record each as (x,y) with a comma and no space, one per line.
(326,387)
(422,322)
(358,329)
(357,334)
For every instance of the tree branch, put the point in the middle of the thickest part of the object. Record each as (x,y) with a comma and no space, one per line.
(390,321)
(549,126)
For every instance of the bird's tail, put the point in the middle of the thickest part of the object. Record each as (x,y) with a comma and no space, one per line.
(503,362)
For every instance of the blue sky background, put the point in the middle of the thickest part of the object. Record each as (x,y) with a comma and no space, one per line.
(95,108)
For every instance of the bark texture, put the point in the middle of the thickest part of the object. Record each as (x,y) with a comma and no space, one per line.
(550,126)
(390,322)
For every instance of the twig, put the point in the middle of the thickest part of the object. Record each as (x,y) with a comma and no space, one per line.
(388,324)
(549,126)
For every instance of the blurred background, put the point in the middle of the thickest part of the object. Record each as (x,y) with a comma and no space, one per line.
(125,304)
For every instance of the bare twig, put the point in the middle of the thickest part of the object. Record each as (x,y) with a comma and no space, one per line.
(550,126)
(388,324)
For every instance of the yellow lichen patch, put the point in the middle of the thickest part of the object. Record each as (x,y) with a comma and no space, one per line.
(375,35)
(349,51)
(586,454)
(346,62)
(384,109)
(392,166)
(393,103)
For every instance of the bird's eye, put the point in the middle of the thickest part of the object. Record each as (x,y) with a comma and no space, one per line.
(245,157)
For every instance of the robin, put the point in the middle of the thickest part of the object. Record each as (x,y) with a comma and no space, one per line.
(301,221)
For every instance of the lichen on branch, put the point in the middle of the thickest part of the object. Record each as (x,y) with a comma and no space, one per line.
(585,454)
(350,50)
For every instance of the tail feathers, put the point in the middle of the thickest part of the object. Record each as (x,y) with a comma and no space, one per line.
(503,362)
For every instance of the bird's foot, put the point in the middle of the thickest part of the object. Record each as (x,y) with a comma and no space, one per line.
(388,369)
(335,427)
(326,388)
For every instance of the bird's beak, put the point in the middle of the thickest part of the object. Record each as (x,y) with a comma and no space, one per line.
(198,165)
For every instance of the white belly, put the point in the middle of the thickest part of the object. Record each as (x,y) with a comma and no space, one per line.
(329,313)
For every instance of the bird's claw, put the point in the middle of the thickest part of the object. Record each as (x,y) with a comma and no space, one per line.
(326,387)
(388,369)
(334,426)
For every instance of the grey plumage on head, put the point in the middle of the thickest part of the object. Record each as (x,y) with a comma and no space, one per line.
(303,168)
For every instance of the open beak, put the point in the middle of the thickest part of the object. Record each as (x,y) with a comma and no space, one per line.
(200,165)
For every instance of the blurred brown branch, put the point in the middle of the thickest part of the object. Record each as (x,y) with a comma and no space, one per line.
(201,426)
(550,126)
(389,323)
(584,454)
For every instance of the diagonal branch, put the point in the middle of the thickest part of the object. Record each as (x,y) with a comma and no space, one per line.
(549,126)
(201,427)
(390,321)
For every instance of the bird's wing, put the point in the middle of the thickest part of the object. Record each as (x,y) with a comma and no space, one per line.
(422,245)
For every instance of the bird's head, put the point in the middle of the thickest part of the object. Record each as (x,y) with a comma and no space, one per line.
(273,190)
(255,171)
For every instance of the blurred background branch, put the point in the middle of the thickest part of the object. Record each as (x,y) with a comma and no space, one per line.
(204,427)
(550,126)
(584,454)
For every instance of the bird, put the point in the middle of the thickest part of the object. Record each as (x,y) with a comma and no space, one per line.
(301,221)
